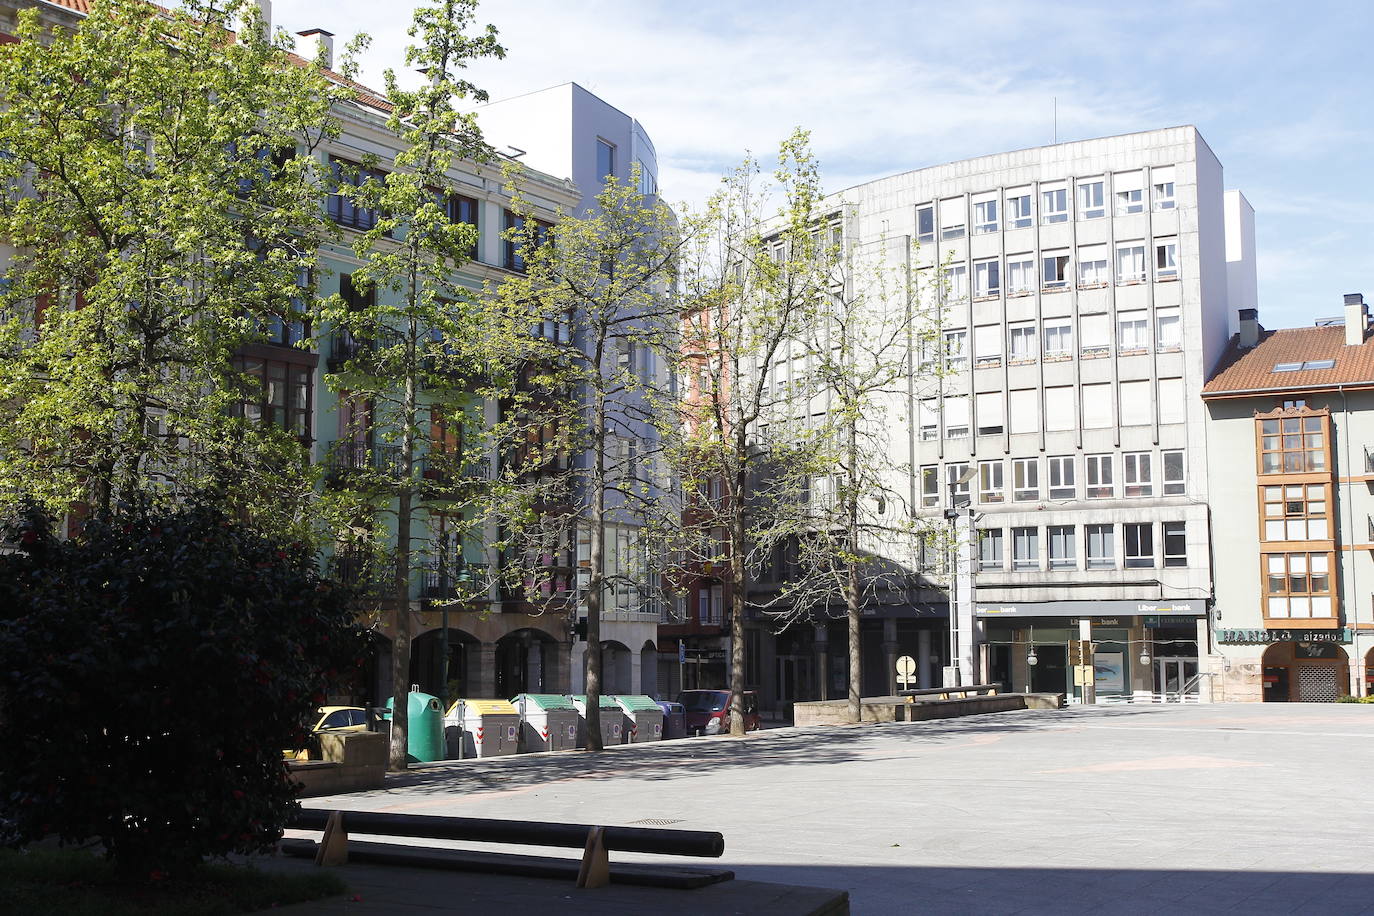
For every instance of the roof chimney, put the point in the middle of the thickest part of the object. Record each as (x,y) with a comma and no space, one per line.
(324,46)
(1356,319)
(265,11)
(1249,328)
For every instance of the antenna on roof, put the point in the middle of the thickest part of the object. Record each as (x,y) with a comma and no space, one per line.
(515,152)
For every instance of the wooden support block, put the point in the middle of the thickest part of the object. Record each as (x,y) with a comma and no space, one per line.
(596,866)
(334,844)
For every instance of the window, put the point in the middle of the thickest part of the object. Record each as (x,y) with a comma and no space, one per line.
(1173,404)
(278,394)
(1131,200)
(1172,460)
(959,491)
(1022,343)
(648,183)
(1166,259)
(1063,549)
(1296,512)
(990,549)
(1132,331)
(1097,406)
(952,217)
(1092,266)
(1090,204)
(1020,274)
(990,482)
(1168,332)
(605,159)
(1162,181)
(1054,206)
(1096,334)
(987,345)
(1137,474)
(711,604)
(989,406)
(1101,546)
(956,282)
(1130,263)
(1025,548)
(1054,273)
(519,239)
(985,216)
(460,209)
(925,223)
(1024,412)
(1025,479)
(956,417)
(1063,484)
(1100,484)
(987,279)
(1175,544)
(1135,408)
(956,348)
(1060,413)
(930,485)
(341,209)
(1292,445)
(1297,585)
(1058,340)
(1140,545)
(1019,211)
(929,419)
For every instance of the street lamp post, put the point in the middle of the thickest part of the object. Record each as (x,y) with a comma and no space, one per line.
(463,576)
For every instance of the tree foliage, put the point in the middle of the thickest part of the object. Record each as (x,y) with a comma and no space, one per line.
(151,672)
(163,210)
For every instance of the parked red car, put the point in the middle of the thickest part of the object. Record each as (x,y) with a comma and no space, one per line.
(708,711)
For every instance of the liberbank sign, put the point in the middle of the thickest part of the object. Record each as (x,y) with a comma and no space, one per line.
(1195,608)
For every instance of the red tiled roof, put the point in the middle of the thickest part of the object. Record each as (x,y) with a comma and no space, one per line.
(1248,371)
(365,96)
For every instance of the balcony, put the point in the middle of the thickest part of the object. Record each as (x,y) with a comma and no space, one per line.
(354,461)
(441,582)
(344,346)
(363,571)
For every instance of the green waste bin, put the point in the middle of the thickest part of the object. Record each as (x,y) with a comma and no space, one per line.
(643,719)
(425,727)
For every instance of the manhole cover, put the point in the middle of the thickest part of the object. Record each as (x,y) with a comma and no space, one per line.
(657,821)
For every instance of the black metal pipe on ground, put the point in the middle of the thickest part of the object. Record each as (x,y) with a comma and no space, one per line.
(706,844)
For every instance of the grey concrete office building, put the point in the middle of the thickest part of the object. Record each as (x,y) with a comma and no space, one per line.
(1088,291)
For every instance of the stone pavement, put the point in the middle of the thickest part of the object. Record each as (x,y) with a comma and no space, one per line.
(1126,809)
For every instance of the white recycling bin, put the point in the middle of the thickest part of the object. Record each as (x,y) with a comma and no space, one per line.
(488,728)
(643,718)
(548,722)
(612,720)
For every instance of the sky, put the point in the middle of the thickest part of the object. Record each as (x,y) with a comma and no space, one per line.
(1283,92)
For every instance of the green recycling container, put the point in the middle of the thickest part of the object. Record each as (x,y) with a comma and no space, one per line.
(425,738)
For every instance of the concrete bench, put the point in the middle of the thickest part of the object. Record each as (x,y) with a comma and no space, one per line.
(594,869)
(949,693)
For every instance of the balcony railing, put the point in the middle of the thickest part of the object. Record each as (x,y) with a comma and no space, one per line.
(444,581)
(1368,461)
(347,460)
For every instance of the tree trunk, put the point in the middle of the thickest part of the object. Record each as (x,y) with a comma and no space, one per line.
(596,582)
(851,601)
(851,579)
(738,588)
(400,654)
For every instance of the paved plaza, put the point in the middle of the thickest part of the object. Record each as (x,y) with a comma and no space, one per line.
(1255,808)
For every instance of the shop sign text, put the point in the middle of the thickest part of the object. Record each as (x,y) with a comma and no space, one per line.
(1241,637)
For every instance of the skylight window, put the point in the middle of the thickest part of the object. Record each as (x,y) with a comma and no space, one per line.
(1309,364)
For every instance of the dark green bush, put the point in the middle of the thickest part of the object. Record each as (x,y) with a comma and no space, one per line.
(151,672)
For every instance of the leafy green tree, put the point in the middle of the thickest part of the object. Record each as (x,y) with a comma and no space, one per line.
(163,211)
(422,363)
(604,281)
(752,298)
(152,669)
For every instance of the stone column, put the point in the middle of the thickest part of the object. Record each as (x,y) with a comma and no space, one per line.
(890,649)
(577,668)
(821,648)
(636,685)
(1085,634)
(486,670)
(923,658)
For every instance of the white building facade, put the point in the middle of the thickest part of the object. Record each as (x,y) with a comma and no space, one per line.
(1085,289)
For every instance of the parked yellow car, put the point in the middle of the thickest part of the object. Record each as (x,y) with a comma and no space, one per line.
(333,720)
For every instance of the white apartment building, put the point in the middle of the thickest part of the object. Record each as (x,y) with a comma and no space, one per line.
(566,130)
(1086,298)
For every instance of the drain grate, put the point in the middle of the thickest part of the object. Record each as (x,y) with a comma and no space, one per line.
(656,821)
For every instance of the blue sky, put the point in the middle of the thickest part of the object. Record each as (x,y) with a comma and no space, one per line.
(1283,93)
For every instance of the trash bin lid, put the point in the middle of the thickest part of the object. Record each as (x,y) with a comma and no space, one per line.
(670,708)
(545,701)
(488,708)
(636,702)
(606,702)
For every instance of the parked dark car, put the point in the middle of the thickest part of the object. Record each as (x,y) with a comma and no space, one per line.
(708,711)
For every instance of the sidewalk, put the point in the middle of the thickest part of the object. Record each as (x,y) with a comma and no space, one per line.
(386,889)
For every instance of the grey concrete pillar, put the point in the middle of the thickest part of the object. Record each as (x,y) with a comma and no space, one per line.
(486,670)
(821,648)
(890,650)
(923,663)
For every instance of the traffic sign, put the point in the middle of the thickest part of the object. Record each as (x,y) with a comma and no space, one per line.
(906,670)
